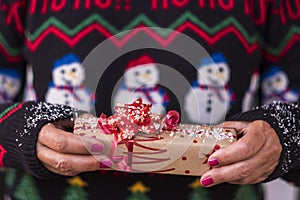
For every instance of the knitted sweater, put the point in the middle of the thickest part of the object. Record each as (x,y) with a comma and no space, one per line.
(252,46)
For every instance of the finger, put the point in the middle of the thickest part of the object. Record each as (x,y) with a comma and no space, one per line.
(70,164)
(255,169)
(56,171)
(238,125)
(238,151)
(244,148)
(260,174)
(65,142)
(251,171)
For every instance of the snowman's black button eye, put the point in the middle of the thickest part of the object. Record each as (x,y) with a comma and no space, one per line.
(209,70)
(62,71)
(148,71)
(136,73)
(74,69)
(221,69)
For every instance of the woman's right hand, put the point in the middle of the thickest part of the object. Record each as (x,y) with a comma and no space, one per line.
(68,154)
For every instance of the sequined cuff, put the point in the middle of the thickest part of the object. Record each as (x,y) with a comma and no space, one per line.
(285,119)
(19,132)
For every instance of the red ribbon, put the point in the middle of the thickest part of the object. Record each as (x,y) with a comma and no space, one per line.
(139,119)
(139,115)
(107,124)
(172,119)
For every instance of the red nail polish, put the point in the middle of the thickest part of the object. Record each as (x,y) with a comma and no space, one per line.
(105,164)
(207,181)
(97,148)
(213,162)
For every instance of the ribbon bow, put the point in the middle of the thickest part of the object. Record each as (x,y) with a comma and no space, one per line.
(134,118)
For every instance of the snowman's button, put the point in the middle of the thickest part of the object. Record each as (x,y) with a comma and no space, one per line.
(208,109)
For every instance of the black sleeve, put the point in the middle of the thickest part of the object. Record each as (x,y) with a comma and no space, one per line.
(20,124)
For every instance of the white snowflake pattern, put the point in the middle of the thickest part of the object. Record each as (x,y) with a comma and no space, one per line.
(128,134)
(145,129)
(155,116)
(156,126)
(111,121)
(139,117)
(121,111)
(122,123)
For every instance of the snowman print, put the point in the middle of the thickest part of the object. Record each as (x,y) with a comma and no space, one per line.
(141,78)
(210,97)
(275,87)
(67,86)
(10,84)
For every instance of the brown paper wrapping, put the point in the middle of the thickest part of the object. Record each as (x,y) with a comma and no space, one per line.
(183,150)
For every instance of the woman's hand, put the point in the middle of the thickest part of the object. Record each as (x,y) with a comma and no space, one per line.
(249,160)
(68,154)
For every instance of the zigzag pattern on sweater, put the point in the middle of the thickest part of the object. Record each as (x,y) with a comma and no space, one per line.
(9,111)
(187,21)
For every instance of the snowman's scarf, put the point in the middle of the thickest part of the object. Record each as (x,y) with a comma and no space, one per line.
(217,89)
(146,91)
(71,89)
(279,96)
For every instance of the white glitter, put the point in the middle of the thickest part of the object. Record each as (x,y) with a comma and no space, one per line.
(286,118)
(42,113)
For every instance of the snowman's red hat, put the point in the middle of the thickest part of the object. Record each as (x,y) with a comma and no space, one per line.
(143,60)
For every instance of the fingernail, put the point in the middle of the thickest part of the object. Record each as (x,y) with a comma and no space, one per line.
(97,148)
(207,181)
(213,162)
(105,164)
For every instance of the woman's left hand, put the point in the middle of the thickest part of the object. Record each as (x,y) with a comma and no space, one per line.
(249,160)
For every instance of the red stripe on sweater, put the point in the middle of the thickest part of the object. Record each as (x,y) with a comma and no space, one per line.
(12,111)
(2,153)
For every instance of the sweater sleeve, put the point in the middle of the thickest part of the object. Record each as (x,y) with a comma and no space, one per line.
(285,119)
(20,124)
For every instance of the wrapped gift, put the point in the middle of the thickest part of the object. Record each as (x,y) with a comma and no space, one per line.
(137,140)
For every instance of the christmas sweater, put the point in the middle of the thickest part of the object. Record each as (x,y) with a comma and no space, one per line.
(232,55)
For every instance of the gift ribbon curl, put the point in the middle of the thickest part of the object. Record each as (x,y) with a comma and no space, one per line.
(130,120)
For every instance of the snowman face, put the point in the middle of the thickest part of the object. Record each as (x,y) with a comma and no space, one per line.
(214,74)
(275,84)
(70,74)
(143,75)
(9,85)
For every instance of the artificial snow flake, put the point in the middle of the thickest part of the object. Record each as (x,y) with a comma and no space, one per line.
(127,133)
(121,111)
(144,129)
(41,112)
